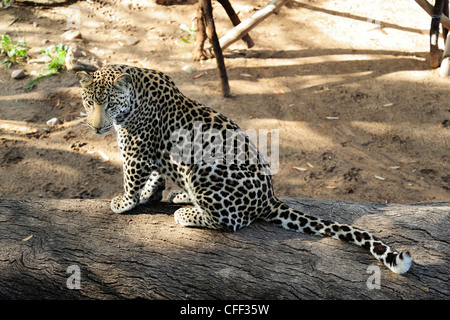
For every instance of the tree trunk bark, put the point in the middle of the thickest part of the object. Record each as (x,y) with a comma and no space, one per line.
(199,52)
(80,249)
(211,29)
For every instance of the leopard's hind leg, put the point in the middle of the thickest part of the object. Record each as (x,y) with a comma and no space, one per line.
(195,217)
(178,196)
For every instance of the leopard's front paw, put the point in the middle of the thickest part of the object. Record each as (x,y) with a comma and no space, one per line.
(118,205)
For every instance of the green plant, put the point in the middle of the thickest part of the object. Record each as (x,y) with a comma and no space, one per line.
(6,3)
(190,31)
(58,59)
(57,55)
(13,52)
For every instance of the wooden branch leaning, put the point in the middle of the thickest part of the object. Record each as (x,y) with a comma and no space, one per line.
(245,26)
(144,254)
(445,21)
(235,20)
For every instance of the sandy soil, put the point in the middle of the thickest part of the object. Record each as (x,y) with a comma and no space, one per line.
(347,84)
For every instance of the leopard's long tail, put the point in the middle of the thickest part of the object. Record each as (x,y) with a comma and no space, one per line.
(292,219)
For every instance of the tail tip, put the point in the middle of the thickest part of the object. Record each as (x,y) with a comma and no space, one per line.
(403,262)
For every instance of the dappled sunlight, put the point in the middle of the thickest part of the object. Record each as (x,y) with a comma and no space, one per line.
(342,94)
(417,76)
(320,71)
(63,170)
(364,24)
(18,127)
(347,84)
(430,136)
(374,127)
(304,138)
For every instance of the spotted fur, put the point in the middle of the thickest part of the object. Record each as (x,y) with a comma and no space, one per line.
(147,110)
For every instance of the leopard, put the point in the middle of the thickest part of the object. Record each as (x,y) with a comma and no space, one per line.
(225,182)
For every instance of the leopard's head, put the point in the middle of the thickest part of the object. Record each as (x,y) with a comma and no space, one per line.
(106,98)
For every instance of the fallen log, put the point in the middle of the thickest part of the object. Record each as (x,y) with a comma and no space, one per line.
(80,249)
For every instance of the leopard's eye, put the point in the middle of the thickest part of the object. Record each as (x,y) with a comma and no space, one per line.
(109,105)
(88,104)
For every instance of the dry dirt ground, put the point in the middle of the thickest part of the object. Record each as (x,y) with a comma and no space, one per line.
(347,84)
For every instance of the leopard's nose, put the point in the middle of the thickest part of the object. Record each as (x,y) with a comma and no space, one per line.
(98,131)
(94,129)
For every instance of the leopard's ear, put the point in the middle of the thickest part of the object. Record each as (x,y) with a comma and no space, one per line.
(122,81)
(85,78)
